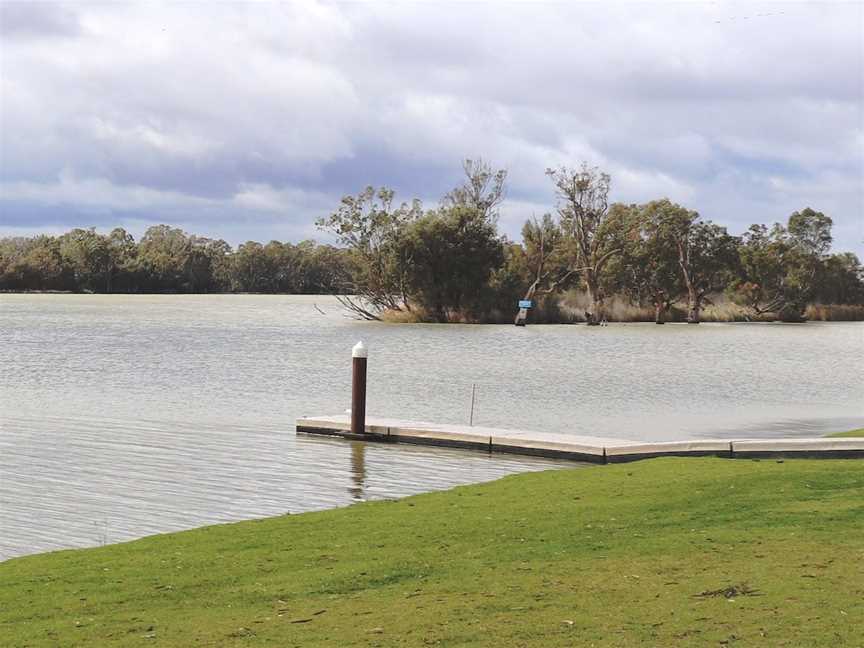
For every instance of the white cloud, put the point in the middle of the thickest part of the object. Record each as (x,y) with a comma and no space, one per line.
(255,117)
(263,197)
(95,192)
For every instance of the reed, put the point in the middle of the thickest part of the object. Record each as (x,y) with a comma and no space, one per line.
(571,308)
(835,312)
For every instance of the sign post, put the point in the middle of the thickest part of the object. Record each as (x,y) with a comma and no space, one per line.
(522,316)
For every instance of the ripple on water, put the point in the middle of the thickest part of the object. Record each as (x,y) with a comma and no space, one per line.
(122,416)
(75,481)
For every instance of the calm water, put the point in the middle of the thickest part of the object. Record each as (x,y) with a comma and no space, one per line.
(124,416)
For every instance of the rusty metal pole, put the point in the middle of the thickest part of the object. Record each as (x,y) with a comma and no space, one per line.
(359,355)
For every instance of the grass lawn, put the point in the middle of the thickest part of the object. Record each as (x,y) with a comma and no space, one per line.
(850,433)
(666,552)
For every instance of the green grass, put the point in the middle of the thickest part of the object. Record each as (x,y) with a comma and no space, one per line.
(666,552)
(850,433)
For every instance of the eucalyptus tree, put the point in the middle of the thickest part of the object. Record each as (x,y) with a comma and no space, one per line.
(251,268)
(454,252)
(779,267)
(810,230)
(706,255)
(163,254)
(546,260)
(670,235)
(590,240)
(45,265)
(648,268)
(840,280)
(12,249)
(210,264)
(372,229)
(33,264)
(482,190)
(320,268)
(123,255)
(88,255)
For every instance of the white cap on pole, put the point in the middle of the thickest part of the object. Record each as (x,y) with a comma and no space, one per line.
(360,350)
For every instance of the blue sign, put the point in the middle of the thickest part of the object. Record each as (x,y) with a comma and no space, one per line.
(525,303)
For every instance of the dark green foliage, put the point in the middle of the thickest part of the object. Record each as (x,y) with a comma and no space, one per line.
(840,280)
(783,269)
(707,257)
(166,260)
(454,252)
(648,269)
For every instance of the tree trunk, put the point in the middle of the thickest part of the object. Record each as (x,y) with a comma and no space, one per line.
(595,300)
(522,315)
(792,313)
(694,305)
(658,313)
(693,299)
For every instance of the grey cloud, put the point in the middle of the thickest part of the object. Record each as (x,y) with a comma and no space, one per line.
(219,118)
(37,20)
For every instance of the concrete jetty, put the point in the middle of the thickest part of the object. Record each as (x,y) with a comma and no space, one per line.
(579,448)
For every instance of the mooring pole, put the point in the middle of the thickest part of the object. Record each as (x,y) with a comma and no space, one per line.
(359,354)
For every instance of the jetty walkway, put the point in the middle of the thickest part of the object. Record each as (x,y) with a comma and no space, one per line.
(579,448)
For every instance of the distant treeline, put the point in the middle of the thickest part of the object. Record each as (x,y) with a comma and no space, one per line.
(166,260)
(405,263)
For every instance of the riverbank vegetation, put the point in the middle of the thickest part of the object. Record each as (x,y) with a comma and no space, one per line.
(585,260)
(665,552)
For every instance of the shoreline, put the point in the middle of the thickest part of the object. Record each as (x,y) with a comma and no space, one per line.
(823,311)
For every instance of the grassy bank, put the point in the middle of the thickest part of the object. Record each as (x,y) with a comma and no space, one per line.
(683,552)
(850,433)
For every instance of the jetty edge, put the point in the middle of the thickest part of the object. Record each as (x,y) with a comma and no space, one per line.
(576,447)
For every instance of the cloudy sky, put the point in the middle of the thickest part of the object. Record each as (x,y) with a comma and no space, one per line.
(248,121)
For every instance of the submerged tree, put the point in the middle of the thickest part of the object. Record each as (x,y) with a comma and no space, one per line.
(840,280)
(648,269)
(453,253)
(779,266)
(372,229)
(707,256)
(590,241)
(546,260)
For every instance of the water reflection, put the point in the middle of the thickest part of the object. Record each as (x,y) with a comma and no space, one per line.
(77,481)
(358,470)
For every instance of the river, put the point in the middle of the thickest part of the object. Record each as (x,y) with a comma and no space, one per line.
(123,416)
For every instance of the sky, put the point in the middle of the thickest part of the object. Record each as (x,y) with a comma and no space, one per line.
(247,121)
